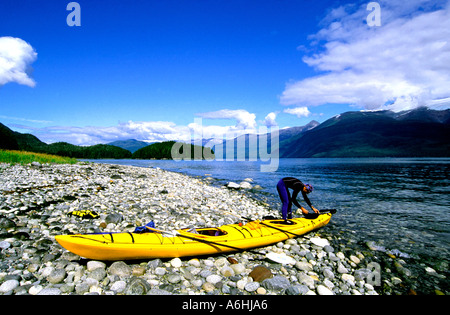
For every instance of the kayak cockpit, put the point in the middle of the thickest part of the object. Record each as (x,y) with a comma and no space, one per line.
(205,231)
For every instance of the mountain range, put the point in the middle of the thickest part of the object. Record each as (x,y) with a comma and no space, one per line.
(416,133)
(131,145)
(421,132)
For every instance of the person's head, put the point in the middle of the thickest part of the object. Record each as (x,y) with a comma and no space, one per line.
(308,188)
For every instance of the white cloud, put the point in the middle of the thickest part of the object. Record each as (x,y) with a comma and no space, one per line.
(151,131)
(146,131)
(269,121)
(245,123)
(402,64)
(156,130)
(244,119)
(38,121)
(16,56)
(298,111)
(198,130)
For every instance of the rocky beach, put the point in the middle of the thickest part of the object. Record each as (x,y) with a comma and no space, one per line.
(36,199)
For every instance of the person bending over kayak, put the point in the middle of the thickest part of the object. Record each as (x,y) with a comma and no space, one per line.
(297,186)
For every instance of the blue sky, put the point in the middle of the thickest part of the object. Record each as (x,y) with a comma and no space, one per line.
(151,69)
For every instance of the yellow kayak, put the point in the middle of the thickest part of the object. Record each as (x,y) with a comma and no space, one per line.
(185,242)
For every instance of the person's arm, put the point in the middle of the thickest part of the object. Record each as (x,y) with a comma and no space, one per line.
(294,199)
(305,196)
(295,202)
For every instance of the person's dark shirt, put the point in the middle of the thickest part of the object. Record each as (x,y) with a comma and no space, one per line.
(297,186)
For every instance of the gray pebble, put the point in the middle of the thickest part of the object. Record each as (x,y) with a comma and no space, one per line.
(342,269)
(50,291)
(8,285)
(98,274)
(120,268)
(118,286)
(82,288)
(174,278)
(328,273)
(155,291)
(4,245)
(276,283)
(56,276)
(252,286)
(138,286)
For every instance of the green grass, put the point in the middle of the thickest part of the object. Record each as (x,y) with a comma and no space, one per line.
(23,157)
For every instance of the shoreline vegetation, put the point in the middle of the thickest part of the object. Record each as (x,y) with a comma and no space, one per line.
(67,153)
(15,141)
(24,157)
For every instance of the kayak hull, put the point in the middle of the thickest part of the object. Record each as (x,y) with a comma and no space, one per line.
(233,237)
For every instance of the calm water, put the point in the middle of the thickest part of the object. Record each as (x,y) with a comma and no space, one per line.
(401,204)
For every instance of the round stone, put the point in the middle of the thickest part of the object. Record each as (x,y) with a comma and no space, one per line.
(119,286)
(176,263)
(120,268)
(213,279)
(93,264)
(56,276)
(208,287)
(251,286)
(9,285)
(323,290)
(174,278)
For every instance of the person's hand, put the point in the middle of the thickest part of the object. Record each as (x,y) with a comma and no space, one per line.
(304,211)
(315,210)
